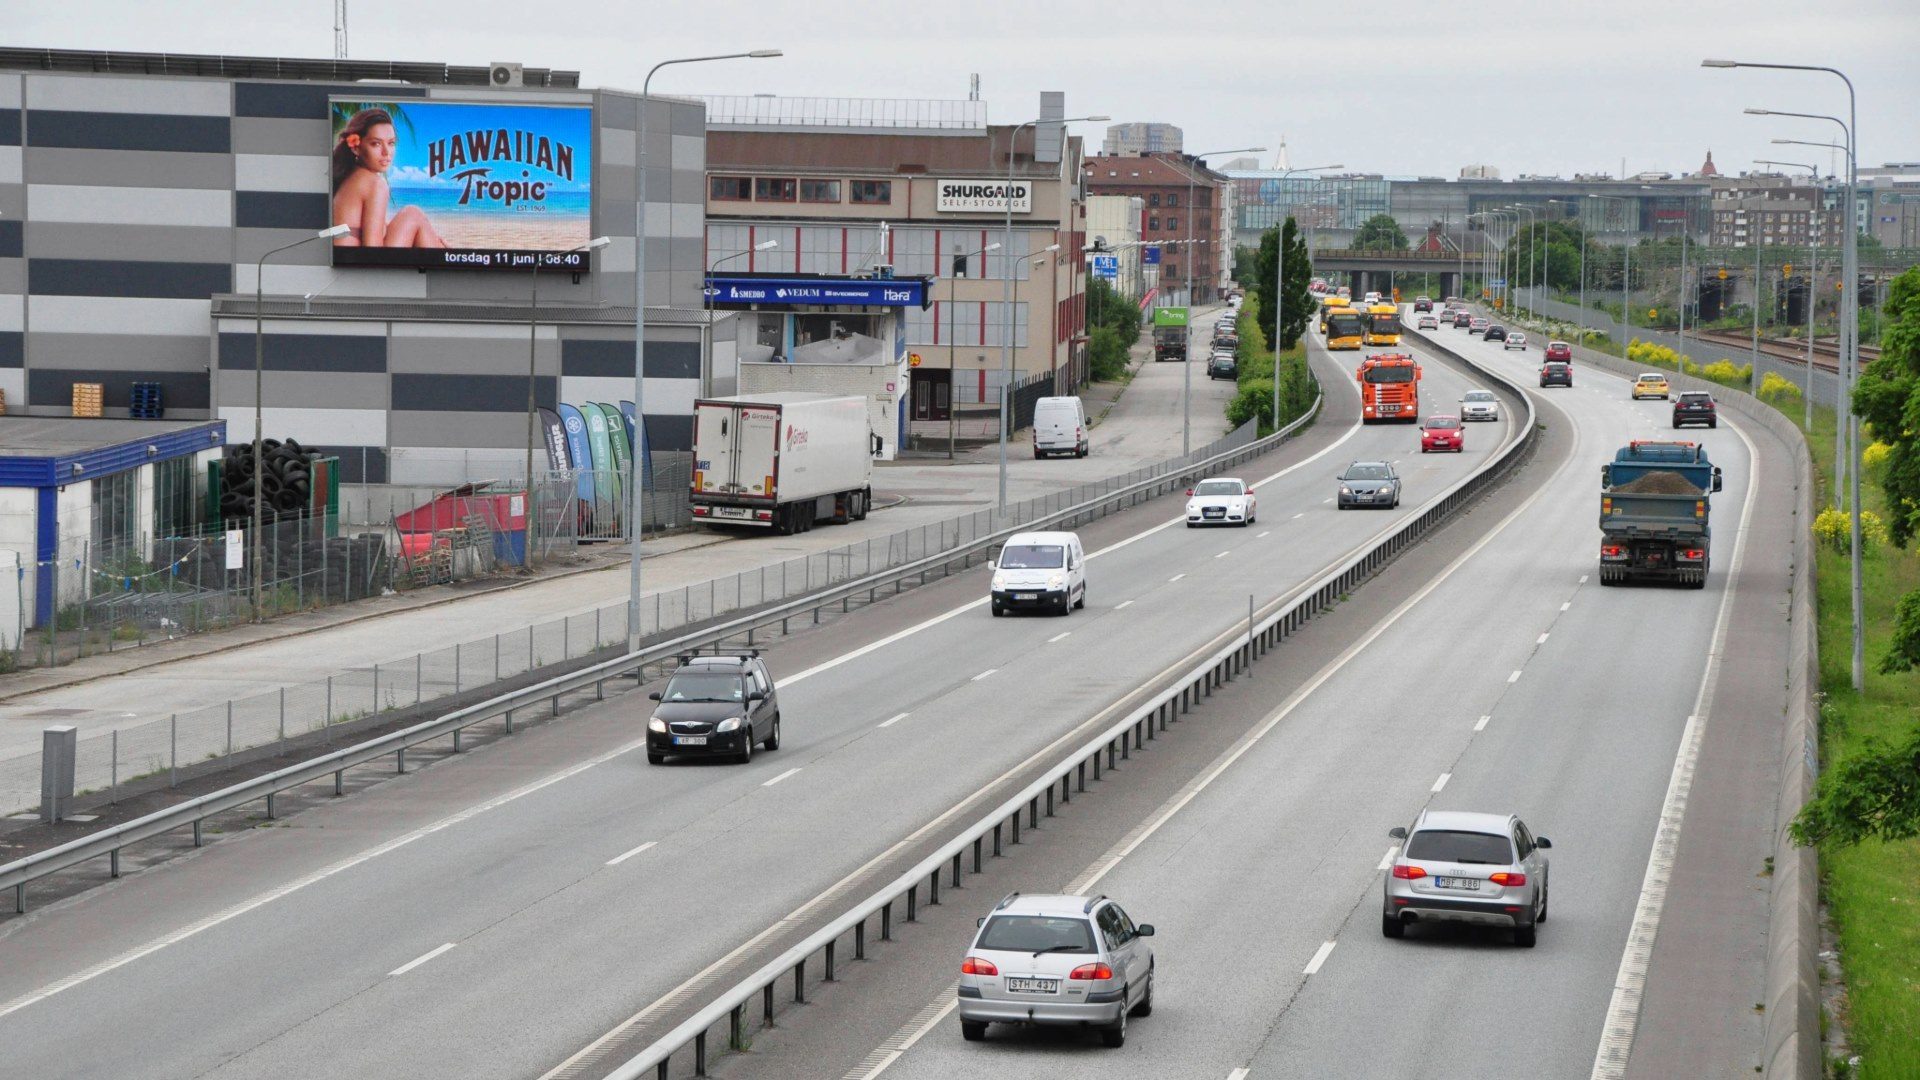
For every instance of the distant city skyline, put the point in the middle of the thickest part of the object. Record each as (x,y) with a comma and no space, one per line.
(1540,92)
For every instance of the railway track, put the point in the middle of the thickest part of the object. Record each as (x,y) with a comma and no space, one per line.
(1826,354)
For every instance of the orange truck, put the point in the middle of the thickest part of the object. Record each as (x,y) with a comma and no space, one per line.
(1389,388)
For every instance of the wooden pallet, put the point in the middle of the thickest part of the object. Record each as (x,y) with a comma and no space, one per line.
(87,398)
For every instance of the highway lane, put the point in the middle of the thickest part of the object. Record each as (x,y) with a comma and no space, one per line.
(1497,690)
(524,887)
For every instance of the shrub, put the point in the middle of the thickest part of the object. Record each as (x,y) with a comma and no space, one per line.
(1834,529)
(1107,354)
(1253,402)
(1777,390)
(1873,460)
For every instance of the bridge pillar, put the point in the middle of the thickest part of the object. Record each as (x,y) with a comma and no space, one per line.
(1357,282)
(1449,284)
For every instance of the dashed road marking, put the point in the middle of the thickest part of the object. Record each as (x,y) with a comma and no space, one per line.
(1566,605)
(1514,678)
(1543,639)
(630,853)
(781,777)
(1442,782)
(1319,957)
(1062,636)
(892,720)
(418,960)
(1121,604)
(1175,578)
(984,674)
(1224,554)
(1264,535)
(1583,579)
(1386,861)
(1481,724)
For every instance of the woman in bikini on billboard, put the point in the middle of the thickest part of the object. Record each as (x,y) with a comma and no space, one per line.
(361,158)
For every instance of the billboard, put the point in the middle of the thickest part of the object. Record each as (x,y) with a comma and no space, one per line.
(1106,267)
(982,196)
(458,184)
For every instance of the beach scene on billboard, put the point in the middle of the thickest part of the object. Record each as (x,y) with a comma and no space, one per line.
(452,184)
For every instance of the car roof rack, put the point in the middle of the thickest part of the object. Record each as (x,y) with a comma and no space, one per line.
(1093,903)
(1010,898)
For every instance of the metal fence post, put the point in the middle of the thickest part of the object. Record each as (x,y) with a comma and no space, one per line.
(496,658)
(173,750)
(419,682)
(326,718)
(113,784)
(229,727)
(283,713)
(456,668)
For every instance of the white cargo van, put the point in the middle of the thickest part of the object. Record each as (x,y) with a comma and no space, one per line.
(1043,571)
(1059,427)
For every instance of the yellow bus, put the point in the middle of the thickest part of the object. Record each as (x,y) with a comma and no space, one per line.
(1328,304)
(1383,325)
(1345,328)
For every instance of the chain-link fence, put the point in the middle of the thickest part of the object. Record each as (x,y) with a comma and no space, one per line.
(202,740)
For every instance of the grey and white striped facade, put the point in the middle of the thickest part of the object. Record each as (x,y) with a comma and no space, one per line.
(132,210)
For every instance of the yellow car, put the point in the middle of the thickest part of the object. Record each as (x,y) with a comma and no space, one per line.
(1650,385)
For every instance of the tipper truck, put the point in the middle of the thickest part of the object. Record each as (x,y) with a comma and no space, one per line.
(1169,343)
(782,461)
(1654,506)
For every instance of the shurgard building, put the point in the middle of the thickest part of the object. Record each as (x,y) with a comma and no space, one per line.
(139,195)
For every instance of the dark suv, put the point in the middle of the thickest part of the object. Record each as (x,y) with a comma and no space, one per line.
(722,705)
(1496,332)
(1423,303)
(1695,407)
(1462,319)
(1556,373)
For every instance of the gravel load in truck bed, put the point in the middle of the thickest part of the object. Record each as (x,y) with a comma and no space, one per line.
(1660,483)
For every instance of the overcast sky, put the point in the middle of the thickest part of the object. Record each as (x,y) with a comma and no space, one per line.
(1528,86)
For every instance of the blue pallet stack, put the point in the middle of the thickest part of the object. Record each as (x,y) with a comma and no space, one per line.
(145,402)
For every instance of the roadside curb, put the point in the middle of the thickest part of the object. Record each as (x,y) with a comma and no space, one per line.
(1791,1049)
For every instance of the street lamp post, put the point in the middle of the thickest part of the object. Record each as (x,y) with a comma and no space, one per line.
(1533,218)
(259,381)
(636,475)
(706,301)
(1850,334)
(1842,458)
(1583,254)
(1280,285)
(533,414)
(1006,302)
(1192,254)
(1813,276)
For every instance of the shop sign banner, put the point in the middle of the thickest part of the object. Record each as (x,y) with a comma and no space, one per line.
(904,292)
(982,196)
(461,185)
(1107,267)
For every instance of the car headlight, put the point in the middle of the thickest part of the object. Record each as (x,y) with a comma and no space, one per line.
(1057,582)
(999,581)
(731,723)
(1345,490)
(1193,508)
(657,724)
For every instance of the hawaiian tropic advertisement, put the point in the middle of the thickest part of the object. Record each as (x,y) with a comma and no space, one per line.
(454,184)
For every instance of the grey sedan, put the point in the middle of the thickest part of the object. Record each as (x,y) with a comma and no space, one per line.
(1369,483)
(1480,869)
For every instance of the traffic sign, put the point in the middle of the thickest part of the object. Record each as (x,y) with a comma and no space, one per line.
(1723,273)
(1786,269)
(913,359)
(1150,256)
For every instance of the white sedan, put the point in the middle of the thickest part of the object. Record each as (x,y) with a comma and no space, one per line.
(1223,500)
(1515,341)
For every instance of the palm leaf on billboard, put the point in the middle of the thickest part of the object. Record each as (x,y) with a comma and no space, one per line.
(343,111)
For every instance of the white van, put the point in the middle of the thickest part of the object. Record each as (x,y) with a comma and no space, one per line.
(1044,571)
(1059,426)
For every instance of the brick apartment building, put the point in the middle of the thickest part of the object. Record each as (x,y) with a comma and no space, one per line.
(1165,183)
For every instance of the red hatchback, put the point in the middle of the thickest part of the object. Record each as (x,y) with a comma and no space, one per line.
(1561,351)
(1442,432)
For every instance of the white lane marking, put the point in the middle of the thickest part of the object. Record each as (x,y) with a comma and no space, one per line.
(1298,516)
(1319,957)
(1175,578)
(1543,639)
(418,960)
(1629,982)
(1239,1074)
(1513,678)
(984,674)
(1061,636)
(1121,604)
(1264,535)
(287,889)
(1442,782)
(1326,500)
(1583,579)
(782,776)
(1566,605)
(1224,554)
(892,720)
(1386,861)
(630,853)
(1481,724)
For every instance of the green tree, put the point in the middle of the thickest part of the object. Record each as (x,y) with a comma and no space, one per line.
(1246,266)
(1888,397)
(1380,233)
(1113,309)
(1873,794)
(1107,354)
(1298,309)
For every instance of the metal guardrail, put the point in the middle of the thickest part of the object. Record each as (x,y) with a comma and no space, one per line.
(1267,628)
(108,842)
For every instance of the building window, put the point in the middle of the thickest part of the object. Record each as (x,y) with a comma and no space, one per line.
(1153,199)
(827,191)
(1153,223)
(873,191)
(175,510)
(1173,222)
(115,499)
(773,189)
(730,189)
(1173,199)
(1170,272)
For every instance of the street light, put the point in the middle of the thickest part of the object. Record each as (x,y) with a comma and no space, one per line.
(533,321)
(259,379)
(635,474)
(1280,285)
(1813,275)
(1006,294)
(1583,254)
(1186,362)
(1532,220)
(706,300)
(1849,328)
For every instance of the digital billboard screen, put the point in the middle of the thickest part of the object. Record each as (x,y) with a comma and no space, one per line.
(462,185)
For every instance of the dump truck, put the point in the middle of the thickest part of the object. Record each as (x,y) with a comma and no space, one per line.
(783,461)
(1655,506)
(1169,343)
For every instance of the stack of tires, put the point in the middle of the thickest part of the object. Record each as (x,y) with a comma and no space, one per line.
(285,481)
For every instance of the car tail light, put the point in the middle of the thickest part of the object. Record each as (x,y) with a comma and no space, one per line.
(973,965)
(1612,551)
(1696,553)
(1511,881)
(764,515)
(701,511)
(1407,873)
(1091,971)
